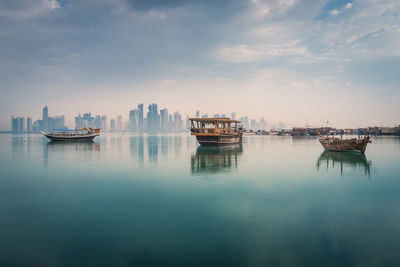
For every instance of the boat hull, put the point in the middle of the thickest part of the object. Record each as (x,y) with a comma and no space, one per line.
(71,138)
(331,144)
(219,140)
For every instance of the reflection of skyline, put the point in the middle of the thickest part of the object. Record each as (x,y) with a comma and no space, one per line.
(215,159)
(340,160)
(152,148)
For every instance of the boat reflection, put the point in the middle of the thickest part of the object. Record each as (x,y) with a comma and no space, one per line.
(213,159)
(76,146)
(341,160)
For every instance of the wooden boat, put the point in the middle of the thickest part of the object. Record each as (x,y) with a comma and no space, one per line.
(216,131)
(72,135)
(339,144)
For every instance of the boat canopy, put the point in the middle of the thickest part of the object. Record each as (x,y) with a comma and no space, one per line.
(214,120)
(64,130)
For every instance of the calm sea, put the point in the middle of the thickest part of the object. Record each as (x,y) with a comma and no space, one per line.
(161,200)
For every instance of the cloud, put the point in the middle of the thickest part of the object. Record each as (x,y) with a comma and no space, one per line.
(26,8)
(99,47)
(348,6)
(240,54)
(334,12)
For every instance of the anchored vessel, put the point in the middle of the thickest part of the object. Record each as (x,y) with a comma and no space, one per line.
(216,131)
(72,135)
(340,144)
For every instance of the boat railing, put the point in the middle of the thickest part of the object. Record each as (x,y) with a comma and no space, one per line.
(213,130)
(203,130)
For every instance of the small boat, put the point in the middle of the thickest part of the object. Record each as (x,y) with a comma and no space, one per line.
(339,144)
(274,132)
(216,131)
(72,135)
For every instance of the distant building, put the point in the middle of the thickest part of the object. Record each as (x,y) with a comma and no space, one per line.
(245,122)
(86,121)
(178,123)
(79,124)
(233,116)
(187,128)
(119,123)
(45,118)
(153,118)
(28,125)
(103,123)
(253,124)
(164,120)
(170,122)
(197,114)
(17,124)
(141,119)
(133,124)
(112,125)
(36,126)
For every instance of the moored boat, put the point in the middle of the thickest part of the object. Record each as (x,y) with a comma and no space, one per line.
(216,131)
(332,143)
(72,135)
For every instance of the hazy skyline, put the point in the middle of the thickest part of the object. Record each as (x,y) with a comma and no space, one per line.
(293,61)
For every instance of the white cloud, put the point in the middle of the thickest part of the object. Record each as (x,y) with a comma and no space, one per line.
(29,9)
(334,12)
(51,4)
(248,53)
(240,54)
(348,6)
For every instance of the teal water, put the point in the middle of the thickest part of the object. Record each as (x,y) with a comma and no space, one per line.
(140,200)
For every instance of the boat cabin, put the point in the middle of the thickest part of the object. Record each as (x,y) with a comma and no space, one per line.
(215,126)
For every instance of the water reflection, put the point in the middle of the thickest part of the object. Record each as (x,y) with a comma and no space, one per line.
(62,151)
(341,160)
(215,159)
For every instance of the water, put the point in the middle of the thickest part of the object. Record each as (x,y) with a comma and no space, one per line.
(140,200)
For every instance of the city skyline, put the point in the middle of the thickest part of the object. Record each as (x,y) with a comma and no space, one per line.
(155,121)
(299,62)
(159,121)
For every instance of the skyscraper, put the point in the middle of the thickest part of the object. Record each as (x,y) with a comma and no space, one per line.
(153,118)
(233,116)
(79,124)
(112,124)
(133,124)
(119,123)
(164,119)
(245,121)
(140,121)
(14,124)
(197,114)
(170,122)
(253,124)
(29,125)
(178,121)
(103,122)
(86,121)
(45,118)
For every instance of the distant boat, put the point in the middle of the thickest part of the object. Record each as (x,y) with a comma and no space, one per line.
(274,132)
(72,135)
(216,131)
(340,144)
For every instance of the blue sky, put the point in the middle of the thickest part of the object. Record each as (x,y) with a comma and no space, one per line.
(297,61)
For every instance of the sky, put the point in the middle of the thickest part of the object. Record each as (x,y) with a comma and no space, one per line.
(297,61)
